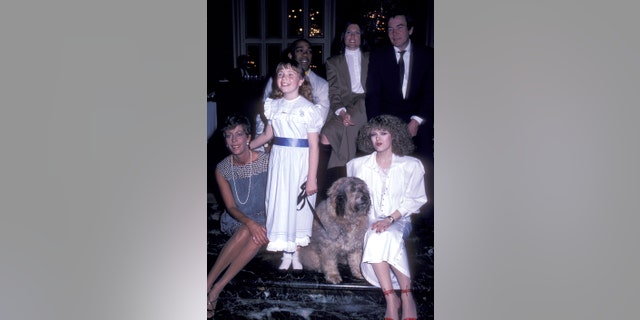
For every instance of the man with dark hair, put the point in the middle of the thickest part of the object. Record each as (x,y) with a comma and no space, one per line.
(400,83)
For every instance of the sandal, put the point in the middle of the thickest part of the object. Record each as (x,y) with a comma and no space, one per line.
(388,293)
(211,307)
(407,291)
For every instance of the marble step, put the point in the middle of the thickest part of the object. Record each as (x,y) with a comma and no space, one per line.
(260,291)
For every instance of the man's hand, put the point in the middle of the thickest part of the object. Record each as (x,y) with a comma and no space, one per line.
(413,127)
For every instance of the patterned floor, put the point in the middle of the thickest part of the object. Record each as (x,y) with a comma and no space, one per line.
(261,292)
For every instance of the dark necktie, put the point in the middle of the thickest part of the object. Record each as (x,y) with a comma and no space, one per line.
(401,68)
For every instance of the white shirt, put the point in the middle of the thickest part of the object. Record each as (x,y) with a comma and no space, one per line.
(405,80)
(403,191)
(354,62)
(407,62)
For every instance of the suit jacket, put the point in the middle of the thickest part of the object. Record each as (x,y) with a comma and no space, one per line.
(339,80)
(343,138)
(383,84)
(384,95)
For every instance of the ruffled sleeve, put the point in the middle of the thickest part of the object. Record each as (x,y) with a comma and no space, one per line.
(268,109)
(317,121)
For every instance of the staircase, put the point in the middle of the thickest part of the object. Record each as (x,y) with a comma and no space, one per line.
(262,292)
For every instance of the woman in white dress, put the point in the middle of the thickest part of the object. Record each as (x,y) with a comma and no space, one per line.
(396,185)
(294,124)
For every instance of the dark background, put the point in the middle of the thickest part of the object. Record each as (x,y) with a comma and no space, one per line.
(245,97)
(220,32)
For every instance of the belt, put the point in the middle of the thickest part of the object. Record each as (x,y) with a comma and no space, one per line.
(291,142)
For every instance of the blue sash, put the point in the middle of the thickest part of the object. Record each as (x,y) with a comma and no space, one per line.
(291,142)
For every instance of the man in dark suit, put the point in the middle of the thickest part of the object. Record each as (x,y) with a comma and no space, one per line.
(400,83)
(411,99)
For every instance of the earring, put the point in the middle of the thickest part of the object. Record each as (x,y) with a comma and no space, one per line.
(248,143)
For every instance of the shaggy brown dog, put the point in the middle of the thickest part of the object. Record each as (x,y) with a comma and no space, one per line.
(344,216)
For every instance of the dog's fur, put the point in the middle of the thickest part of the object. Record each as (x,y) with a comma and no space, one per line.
(344,215)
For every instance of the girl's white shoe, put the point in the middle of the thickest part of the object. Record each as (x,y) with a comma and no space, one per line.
(287,258)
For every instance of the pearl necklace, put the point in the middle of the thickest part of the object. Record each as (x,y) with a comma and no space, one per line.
(233,177)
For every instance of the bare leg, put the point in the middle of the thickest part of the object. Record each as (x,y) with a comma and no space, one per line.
(381,270)
(408,304)
(235,255)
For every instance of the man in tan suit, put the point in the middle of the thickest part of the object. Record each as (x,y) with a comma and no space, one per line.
(347,77)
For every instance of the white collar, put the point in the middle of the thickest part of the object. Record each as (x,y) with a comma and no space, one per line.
(348,52)
(407,49)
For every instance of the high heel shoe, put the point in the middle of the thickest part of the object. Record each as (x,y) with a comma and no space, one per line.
(407,291)
(389,293)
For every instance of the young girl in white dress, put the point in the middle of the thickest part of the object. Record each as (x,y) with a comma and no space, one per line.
(294,124)
(396,186)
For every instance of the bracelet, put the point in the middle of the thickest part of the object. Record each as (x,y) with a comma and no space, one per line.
(391,218)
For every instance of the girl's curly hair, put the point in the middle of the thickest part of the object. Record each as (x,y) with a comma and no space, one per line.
(304,90)
(401,142)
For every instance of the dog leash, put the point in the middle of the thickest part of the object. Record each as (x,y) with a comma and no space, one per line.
(302,199)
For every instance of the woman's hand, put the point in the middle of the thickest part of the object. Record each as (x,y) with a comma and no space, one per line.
(381,225)
(346,119)
(413,126)
(258,233)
